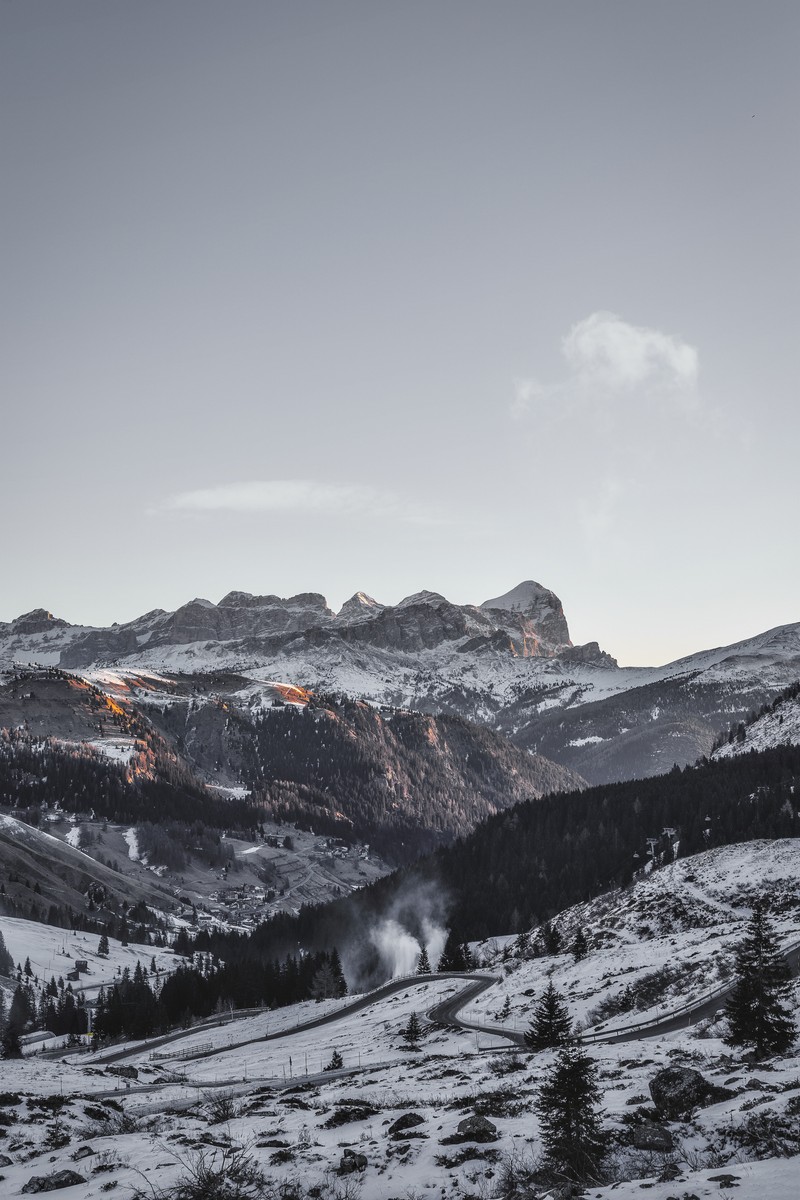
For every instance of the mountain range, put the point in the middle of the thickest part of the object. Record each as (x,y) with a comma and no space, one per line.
(508,663)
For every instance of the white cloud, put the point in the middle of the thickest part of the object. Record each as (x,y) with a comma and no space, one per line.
(608,358)
(603,350)
(297,496)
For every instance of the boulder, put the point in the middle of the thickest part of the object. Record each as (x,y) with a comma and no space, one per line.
(82,1152)
(5,1161)
(677,1091)
(49,1183)
(351,1162)
(400,1127)
(477,1129)
(652,1137)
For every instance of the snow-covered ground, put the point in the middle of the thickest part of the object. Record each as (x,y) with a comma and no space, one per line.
(780,727)
(296,1120)
(52,952)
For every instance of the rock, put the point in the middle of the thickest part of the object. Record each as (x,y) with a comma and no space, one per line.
(351,1162)
(725,1180)
(670,1173)
(477,1129)
(677,1091)
(652,1137)
(82,1152)
(5,1161)
(408,1121)
(49,1183)
(124,1072)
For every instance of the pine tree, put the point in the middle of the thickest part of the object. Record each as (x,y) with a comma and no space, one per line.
(757,1010)
(412,1031)
(102,948)
(452,958)
(338,973)
(551,938)
(336,1063)
(551,1022)
(568,1115)
(580,947)
(6,961)
(423,963)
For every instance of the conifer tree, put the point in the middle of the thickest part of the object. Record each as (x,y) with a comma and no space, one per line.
(757,1011)
(338,973)
(567,1108)
(412,1031)
(102,948)
(551,1022)
(6,961)
(336,1063)
(423,963)
(580,947)
(452,958)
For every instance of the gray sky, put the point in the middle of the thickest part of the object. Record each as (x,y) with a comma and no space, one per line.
(357,295)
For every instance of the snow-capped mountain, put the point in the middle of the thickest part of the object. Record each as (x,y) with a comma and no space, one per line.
(508,662)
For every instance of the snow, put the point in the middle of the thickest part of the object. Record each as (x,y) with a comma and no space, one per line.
(777,728)
(683,914)
(133,844)
(52,951)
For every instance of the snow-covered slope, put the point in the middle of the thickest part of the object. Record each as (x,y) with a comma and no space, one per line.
(779,725)
(662,942)
(298,1123)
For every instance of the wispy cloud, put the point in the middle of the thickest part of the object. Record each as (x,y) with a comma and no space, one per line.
(607,358)
(299,496)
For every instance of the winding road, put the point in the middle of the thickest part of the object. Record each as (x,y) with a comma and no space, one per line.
(446,1013)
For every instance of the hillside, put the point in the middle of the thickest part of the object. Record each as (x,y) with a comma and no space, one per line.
(777,724)
(255,1090)
(522,866)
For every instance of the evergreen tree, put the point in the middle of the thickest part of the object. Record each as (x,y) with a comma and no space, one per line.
(412,1031)
(551,1022)
(338,973)
(757,1011)
(580,947)
(452,958)
(423,963)
(103,948)
(6,961)
(568,1115)
(20,1016)
(336,1063)
(551,938)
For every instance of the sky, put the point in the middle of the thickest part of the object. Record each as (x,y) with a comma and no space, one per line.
(442,295)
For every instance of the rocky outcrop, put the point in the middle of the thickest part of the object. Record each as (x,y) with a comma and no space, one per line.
(477,1129)
(677,1091)
(50,1183)
(351,1162)
(39,620)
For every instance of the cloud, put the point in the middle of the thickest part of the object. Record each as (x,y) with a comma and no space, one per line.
(603,349)
(608,358)
(299,496)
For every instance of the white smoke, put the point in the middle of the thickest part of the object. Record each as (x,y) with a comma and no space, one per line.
(434,937)
(398,950)
(392,942)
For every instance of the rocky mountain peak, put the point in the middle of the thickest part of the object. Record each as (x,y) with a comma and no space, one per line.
(38,620)
(539,605)
(359,607)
